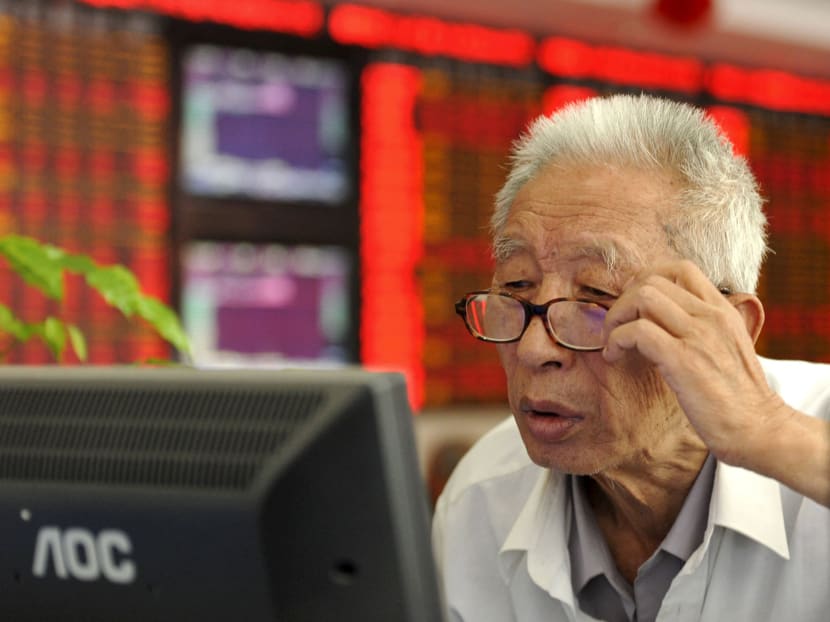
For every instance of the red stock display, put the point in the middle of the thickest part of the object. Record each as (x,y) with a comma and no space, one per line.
(84,164)
(440,103)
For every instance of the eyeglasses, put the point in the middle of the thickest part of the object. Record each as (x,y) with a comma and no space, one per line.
(502,317)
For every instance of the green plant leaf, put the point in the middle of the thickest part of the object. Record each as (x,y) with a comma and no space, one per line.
(38,264)
(13,326)
(42,266)
(78,341)
(54,336)
(121,289)
(78,264)
(164,320)
(117,285)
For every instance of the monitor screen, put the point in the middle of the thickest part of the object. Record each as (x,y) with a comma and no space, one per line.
(179,494)
(264,125)
(266,304)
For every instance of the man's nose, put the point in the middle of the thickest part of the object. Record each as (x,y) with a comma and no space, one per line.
(538,348)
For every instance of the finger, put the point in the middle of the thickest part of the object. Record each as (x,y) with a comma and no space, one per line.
(644,336)
(659,301)
(687,275)
(674,332)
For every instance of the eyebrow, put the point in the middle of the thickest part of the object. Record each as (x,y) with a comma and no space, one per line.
(505,246)
(614,254)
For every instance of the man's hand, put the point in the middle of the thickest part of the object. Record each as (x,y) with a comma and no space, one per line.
(703,344)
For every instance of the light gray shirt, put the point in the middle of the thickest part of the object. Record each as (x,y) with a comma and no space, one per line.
(601,589)
(501,527)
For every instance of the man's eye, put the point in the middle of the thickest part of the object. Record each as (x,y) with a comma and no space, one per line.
(595,292)
(516,285)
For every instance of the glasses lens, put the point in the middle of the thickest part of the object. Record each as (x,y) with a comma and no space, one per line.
(495,317)
(577,324)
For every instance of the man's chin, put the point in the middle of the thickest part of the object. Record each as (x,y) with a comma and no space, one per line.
(565,460)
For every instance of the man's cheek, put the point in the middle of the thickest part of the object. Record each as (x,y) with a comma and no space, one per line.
(507,356)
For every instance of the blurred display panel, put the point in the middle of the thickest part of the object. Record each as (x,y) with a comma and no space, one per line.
(266,305)
(84,160)
(790,155)
(468,117)
(788,149)
(642,70)
(303,18)
(391,224)
(768,88)
(374,28)
(86,137)
(263,125)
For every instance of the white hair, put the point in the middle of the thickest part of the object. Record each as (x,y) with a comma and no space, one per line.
(718,222)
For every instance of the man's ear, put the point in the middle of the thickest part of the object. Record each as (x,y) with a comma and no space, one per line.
(752,311)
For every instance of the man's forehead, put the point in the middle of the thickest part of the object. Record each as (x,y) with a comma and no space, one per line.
(615,252)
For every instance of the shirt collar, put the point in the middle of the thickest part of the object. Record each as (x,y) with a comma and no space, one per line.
(689,527)
(750,504)
(741,501)
(589,554)
(542,527)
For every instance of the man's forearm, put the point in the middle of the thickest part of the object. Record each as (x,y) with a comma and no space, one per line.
(797,454)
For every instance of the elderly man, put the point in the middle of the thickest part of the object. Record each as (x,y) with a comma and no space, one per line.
(655,467)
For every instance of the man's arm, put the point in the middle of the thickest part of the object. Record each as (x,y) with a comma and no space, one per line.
(796,453)
(703,344)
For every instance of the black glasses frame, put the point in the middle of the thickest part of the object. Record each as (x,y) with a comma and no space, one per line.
(531,310)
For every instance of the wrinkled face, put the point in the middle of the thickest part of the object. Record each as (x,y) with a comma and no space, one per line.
(575,412)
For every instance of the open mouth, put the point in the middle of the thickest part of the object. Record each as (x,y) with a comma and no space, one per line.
(543,413)
(547,408)
(547,421)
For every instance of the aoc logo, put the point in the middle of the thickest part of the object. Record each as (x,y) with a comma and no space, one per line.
(80,554)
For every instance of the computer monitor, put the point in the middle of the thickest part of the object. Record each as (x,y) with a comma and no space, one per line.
(179,494)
